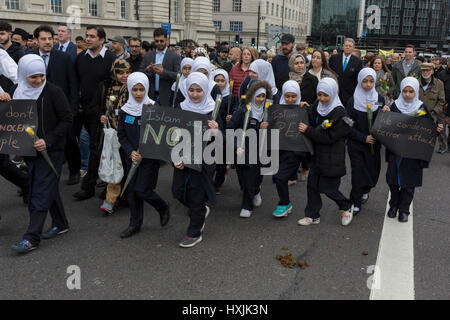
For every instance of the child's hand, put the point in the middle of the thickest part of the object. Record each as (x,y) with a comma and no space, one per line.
(228,119)
(103,119)
(5,96)
(40,145)
(179,166)
(264,125)
(135,156)
(440,127)
(302,127)
(386,109)
(213,124)
(370,139)
(304,104)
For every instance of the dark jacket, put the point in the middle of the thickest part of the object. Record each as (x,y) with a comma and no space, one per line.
(71,50)
(398,74)
(444,76)
(129,134)
(61,72)
(171,66)
(280,66)
(135,63)
(348,79)
(329,144)
(308,88)
(54,116)
(404,172)
(15,52)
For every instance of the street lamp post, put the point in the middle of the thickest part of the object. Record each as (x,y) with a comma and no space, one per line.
(282,18)
(259,19)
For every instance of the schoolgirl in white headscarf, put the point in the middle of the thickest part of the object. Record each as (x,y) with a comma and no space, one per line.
(265,73)
(207,104)
(291,86)
(409,107)
(362,97)
(184,62)
(133,107)
(330,87)
(29,65)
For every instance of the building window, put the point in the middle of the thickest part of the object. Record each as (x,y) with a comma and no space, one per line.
(216,5)
(237,5)
(218,25)
(176,10)
(278,9)
(267,7)
(272,9)
(123,9)
(12,4)
(236,26)
(93,7)
(56,6)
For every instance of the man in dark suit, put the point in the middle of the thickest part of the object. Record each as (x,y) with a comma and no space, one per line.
(161,66)
(61,72)
(347,66)
(64,44)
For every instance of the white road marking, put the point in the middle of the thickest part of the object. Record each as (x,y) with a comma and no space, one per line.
(395,261)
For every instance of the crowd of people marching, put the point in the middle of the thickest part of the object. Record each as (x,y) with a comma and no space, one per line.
(80,88)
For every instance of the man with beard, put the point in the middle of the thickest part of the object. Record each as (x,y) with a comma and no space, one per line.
(222,61)
(13,48)
(135,58)
(280,63)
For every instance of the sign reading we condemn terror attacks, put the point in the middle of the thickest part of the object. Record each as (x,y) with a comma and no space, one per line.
(15,117)
(406,136)
(163,123)
(287,118)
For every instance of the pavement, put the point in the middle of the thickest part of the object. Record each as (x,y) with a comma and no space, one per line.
(237,258)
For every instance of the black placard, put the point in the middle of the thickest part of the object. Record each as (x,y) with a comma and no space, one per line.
(163,121)
(15,117)
(287,118)
(406,136)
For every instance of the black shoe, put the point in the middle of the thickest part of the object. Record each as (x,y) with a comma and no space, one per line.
(83,195)
(364,200)
(392,213)
(403,217)
(128,232)
(165,215)
(53,232)
(74,179)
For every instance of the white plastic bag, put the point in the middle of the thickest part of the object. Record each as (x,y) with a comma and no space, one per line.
(111,167)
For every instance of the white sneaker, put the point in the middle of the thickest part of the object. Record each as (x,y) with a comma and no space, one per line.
(245,213)
(306,221)
(83,173)
(257,200)
(347,216)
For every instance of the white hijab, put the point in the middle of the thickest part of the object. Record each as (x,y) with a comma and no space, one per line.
(184,62)
(226,90)
(291,86)
(29,65)
(258,110)
(415,104)
(328,86)
(207,104)
(265,73)
(133,107)
(362,97)
(204,63)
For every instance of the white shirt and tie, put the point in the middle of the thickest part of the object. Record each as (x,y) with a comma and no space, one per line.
(63,47)
(45,57)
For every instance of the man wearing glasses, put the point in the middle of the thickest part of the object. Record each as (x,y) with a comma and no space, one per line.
(135,58)
(161,66)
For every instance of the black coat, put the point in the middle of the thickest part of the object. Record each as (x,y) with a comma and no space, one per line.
(404,172)
(15,52)
(329,144)
(365,165)
(71,50)
(308,88)
(280,66)
(61,72)
(129,134)
(54,116)
(348,79)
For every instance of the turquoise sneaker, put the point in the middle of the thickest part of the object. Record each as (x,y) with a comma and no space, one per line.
(282,211)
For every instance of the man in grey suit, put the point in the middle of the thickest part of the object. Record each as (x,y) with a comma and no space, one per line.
(161,66)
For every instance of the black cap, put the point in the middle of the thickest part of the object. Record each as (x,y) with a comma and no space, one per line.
(287,38)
